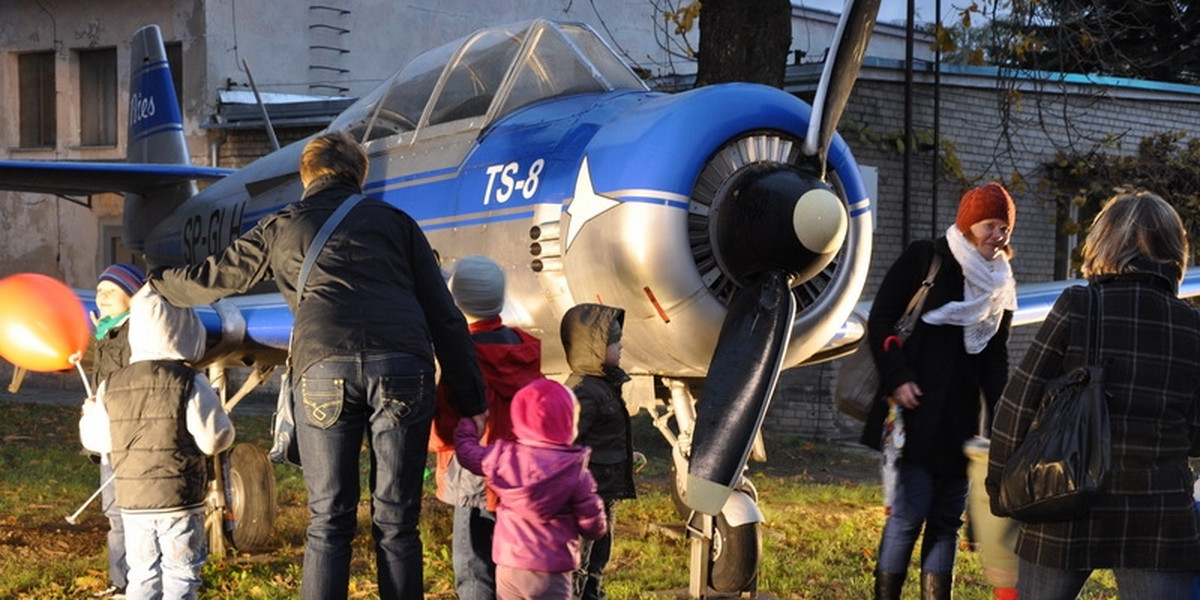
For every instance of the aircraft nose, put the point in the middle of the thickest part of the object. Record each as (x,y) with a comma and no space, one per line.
(777,218)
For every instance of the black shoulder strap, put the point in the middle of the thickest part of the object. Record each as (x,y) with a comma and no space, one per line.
(1084,345)
(1092,322)
(318,242)
(918,297)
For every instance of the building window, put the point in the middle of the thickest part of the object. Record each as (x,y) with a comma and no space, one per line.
(35,73)
(98,97)
(113,247)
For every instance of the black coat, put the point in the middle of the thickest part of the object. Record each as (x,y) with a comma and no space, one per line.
(376,286)
(1150,351)
(935,357)
(604,423)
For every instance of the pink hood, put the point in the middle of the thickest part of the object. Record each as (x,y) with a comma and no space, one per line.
(544,412)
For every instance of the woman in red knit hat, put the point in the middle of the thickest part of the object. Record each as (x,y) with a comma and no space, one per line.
(930,389)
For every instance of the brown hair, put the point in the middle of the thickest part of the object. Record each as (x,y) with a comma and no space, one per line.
(1132,226)
(333,154)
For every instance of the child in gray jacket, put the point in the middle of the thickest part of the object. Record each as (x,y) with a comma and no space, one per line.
(160,419)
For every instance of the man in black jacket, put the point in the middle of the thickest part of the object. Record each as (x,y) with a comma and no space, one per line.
(375,307)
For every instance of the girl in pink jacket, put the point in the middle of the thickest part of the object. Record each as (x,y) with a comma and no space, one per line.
(547,496)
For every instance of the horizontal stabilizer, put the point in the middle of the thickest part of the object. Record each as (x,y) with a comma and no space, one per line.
(80,178)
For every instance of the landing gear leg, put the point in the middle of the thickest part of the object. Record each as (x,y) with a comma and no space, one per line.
(241,498)
(723,550)
(700,540)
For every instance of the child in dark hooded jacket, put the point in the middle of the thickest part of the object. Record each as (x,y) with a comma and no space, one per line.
(547,497)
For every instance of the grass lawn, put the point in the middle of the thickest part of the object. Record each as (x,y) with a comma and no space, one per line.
(821,502)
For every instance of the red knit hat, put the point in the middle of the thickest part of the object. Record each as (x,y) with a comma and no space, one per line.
(990,201)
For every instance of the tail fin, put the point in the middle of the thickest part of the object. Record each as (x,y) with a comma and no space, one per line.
(155,134)
(155,123)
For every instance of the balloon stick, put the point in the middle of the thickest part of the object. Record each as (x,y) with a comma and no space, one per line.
(86,386)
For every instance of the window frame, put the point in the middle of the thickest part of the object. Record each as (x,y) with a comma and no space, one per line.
(98,77)
(39,129)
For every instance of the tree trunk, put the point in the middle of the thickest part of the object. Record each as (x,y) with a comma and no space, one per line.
(744,40)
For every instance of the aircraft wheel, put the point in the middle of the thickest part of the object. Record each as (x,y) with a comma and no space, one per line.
(250,497)
(735,552)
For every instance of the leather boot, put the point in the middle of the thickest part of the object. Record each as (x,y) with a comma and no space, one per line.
(936,586)
(888,585)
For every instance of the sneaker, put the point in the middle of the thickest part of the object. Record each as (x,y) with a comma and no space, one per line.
(112,592)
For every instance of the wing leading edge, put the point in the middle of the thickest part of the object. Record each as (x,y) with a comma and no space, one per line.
(60,177)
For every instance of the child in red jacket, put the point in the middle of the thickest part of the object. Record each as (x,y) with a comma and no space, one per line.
(509,358)
(547,496)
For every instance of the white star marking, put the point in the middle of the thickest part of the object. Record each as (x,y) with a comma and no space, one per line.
(586,204)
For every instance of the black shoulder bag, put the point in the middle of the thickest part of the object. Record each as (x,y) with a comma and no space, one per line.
(858,379)
(1060,467)
(284,447)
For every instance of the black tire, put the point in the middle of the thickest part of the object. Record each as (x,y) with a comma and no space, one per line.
(250,498)
(735,553)
(735,550)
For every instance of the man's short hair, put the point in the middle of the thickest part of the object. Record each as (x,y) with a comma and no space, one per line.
(334,155)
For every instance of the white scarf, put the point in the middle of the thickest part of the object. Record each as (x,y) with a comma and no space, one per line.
(988,290)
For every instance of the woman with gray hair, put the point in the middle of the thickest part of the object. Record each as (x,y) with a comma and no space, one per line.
(1144,525)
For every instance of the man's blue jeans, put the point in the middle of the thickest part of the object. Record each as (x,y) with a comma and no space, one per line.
(1035,582)
(923,499)
(388,398)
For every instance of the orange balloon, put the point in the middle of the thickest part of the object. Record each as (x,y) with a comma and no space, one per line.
(42,322)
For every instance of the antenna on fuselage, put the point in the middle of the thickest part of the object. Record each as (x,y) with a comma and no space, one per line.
(261,106)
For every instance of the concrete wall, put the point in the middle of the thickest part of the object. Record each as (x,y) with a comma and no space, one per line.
(1049,118)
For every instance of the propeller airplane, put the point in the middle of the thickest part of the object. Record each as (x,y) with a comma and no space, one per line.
(731,223)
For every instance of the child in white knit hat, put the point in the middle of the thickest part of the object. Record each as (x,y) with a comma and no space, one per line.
(509,358)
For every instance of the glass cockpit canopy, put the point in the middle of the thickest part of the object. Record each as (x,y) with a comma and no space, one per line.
(488,74)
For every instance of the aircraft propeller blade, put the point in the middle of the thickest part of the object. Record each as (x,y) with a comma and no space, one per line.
(846,54)
(741,379)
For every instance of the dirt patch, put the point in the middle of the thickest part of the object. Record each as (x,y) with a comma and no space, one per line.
(820,463)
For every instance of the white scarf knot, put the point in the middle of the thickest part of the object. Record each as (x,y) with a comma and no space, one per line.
(989,289)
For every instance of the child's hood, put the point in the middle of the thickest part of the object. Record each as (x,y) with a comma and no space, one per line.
(159,330)
(584,331)
(508,367)
(544,412)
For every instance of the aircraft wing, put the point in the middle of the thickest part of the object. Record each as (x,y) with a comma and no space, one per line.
(1034,301)
(64,177)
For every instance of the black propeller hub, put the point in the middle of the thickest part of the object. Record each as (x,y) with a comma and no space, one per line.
(776,217)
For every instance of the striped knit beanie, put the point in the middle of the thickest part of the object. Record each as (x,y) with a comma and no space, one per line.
(125,276)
